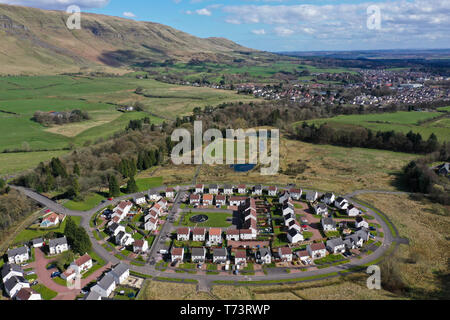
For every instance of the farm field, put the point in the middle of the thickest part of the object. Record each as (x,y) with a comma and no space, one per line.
(21,97)
(399,121)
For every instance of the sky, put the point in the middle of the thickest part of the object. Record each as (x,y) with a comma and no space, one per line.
(289,25)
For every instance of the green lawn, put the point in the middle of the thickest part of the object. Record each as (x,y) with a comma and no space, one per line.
(90,201)
(216,219)
(28,234)
(45,292)
(145,184)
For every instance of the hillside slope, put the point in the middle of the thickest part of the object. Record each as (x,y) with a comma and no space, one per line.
(38,41)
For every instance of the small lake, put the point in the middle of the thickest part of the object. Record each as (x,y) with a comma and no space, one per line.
(242,167)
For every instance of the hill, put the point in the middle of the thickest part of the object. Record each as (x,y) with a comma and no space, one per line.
(36,41)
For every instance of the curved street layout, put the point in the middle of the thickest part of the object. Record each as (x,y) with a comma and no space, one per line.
(150,270)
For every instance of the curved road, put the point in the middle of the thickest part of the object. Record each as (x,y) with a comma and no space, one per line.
(389,238)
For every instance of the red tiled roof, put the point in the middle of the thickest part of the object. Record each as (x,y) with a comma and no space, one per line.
(215,231)
(82,260)
(317,246)
(139,243)
(183,231)
(177,251)
(25,293)
(199,231)
(233,232)
(285,250)
(240,254)
(209,197)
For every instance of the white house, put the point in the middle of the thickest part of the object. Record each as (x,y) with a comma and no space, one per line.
(10,270)
(232,234)
(57,246)
(361,223)
(154,196)
(257,190)
(198,255)
(296,194)
(38,243)
(328,198)
(353,241)
(82,264)
(304,257)
(183,234)
(215,235)
(240,257)
(321,209)
(199,234)
(336,245)
(353,211)
(199,188)
(124,239)
(114,228)
(294,236)
(288,208)
(263,256)
(221,200)
(14,284)
(247,234)
(170,193)
(18,255)
(220,255)
(120,273)
(242,189)
(151,224)
(341,203)
(140,199)
(273,191)
(328,224)
(28,294)
(316,250)
(194,199)
(312,196)
(285,254)
(140,246)
(177,254)
(105,286)
(122,209)
(284,197)
(208,199)
(295,225)
(237,201)
(213,189)
(228,189)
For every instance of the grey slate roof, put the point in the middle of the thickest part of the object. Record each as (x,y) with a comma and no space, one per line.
(17,251)
(92,295)
(120,269)
(220,252)
(9,267)
(138,196)
(37,241)
(11,283)
(196,252)
(335,242)
(328,221)
(106,282)
(264,252)
(293,232)
(57,242)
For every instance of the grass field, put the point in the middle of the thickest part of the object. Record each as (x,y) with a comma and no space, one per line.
(91,201)
(145,184)
(45,292)
(399,121)
(216,219)
(23,96)
(11,163)
(27,234)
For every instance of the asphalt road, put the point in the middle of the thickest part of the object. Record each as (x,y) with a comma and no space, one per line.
(167,227)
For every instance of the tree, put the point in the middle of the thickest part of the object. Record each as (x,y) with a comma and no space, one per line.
(77,237)
(74,189)
(114,188)
(132,186)
(65,259)
(2,183)
(76,169)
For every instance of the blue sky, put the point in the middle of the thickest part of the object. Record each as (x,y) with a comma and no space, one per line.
(289,25)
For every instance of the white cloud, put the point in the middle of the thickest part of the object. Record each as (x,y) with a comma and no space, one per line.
(129,14)
(283,31)
(57,4)
(203,12)
(259,31)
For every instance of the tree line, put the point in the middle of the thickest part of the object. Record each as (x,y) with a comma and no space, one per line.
(62,117)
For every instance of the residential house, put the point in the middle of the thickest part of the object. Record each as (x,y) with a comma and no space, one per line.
(296,194)
(232,234)
(93,296)
(170,193)
(328,224)
(285,254)
(316,250)
(353,241)
(328,198)
(105,286)
(140,246)
(82,264)
(215,235)
(288,208)
(272,191)
(199,234)
(312,196)
(57,246)
(285,196)
(114,228)
(361,223)
(257,190)
(122,209)
(321,209)
(154,196)
(288,219)
(183,234)
(28,294)
(50,220)
(199,188)
(14,284)
(220,255)
(18,255)
(341,203)
(139,199)
(240,257)
(37,243)
(294,236)
(242,189)
(336,245)
(363,233)
(213,189)
(177,254)
(208,199)
(162,204)
(221,200)
(124,239)
(228,189)
(120,273)
(294,224)
(237,201)
(263,256)
(304,257)
(198,255)
(353,211)
(247,234)
(10,270)
(151,224)
(194,199)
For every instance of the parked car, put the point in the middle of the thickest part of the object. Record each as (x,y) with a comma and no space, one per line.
(56,274)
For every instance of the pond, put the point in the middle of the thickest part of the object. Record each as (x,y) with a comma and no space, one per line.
(243,167)
(199,218)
